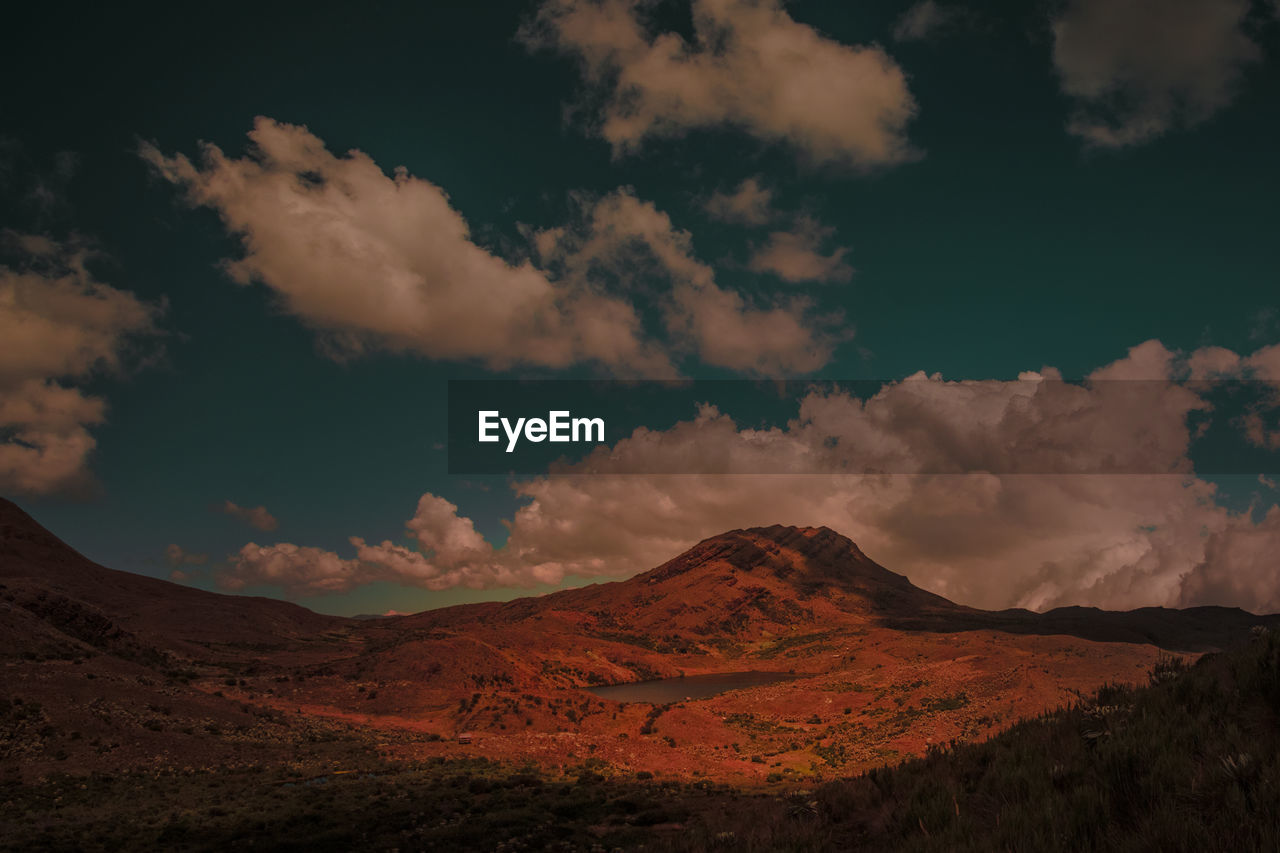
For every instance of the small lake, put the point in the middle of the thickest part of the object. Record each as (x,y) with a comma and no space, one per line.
(665,690)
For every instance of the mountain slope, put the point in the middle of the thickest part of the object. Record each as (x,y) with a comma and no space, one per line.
(1188,761)
(774,581)
(110,609)
(743,582)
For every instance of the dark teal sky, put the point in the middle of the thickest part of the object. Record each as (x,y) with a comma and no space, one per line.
(1008,246)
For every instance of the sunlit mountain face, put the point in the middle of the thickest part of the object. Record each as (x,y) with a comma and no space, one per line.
(489,399)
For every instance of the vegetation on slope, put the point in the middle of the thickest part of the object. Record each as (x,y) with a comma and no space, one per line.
(1190,762)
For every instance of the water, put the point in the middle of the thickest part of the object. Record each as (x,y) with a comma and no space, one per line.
(691,687)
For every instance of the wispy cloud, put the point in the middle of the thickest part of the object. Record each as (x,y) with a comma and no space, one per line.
(796,255)
(177,557)
(750,203)
(927,19)
(256,517)
(1139,68)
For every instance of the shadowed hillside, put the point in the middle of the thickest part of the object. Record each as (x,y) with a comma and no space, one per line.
(61,600)
(1194,629)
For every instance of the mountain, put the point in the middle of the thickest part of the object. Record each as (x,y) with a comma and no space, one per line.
(766,593)
(882,668)
(875,668)
(770,580)
(58,599)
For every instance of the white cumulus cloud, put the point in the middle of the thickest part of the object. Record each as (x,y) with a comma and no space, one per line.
(382,261)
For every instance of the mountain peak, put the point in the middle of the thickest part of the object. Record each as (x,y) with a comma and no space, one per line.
(811,541)
(801,555)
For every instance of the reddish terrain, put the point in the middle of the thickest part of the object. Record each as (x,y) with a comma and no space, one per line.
(104,669)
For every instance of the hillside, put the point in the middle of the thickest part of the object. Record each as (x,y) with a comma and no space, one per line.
(1188,761)
(879,669)
(803,601)
(770,581)
(104,669)
(63,601)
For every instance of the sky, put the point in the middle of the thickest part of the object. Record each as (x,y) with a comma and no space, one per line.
(244,255)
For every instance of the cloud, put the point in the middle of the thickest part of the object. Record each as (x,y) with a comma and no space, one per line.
(1238,567)
(385,261)
(1139,68)
(749,204)
(378,261)
(623,238)
(299,570)
(793,255)
(1012,538)
(37,184)
(60,325)
(256,517)
(452,554)
(748,65)
(925,20)
(177,556)
(1258,422)
(440,531)
(1263,366)
(796,256)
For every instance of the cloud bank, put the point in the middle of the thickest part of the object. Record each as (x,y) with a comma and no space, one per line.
(990,540)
